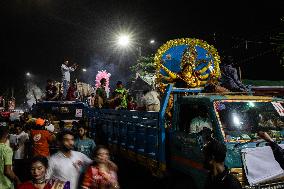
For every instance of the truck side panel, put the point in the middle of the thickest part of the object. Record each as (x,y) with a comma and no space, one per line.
(132,134)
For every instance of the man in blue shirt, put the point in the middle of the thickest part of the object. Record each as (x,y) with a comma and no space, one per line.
(83,143)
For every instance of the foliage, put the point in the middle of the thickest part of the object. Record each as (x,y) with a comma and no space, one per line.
(145,65)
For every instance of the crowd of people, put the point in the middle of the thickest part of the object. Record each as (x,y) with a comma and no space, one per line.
(29,161)
(36,155)
(122,100)
(119,98)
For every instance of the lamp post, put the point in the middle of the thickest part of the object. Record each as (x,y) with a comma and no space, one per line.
(126,41)
(150,45)
(123,40)
(28,85)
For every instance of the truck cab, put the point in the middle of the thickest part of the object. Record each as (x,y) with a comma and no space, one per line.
(234,120)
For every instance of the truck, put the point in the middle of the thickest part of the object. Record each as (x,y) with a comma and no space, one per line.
(66,111)
(168,145)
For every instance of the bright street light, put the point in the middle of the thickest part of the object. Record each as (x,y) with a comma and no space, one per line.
(152,41)
(84,69)
(123,40)
(28,74)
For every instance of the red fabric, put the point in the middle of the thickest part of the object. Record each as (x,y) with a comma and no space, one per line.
(41,139)
(29,185)
(131,106)
(95,179)
(71,93)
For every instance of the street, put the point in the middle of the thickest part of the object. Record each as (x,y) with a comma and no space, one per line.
(133,176)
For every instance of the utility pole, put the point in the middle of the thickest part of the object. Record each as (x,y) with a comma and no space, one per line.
(139,51)
(12,91)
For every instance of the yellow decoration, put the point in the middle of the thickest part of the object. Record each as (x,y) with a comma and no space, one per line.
(188,63)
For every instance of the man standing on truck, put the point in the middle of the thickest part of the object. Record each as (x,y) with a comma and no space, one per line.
(219,175)
(65,70)
(101,91)
(120,96)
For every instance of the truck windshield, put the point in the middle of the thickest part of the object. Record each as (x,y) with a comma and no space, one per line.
(241,120)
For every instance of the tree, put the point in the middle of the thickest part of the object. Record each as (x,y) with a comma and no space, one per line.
(145,66)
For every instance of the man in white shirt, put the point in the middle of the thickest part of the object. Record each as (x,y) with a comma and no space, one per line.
(21,138)
(49,126)
(65,70)
(66,164)
(202,120)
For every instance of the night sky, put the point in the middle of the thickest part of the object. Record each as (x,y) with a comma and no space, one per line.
(36,35)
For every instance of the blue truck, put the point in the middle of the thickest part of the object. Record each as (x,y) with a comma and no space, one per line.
(56,111)
(169,145)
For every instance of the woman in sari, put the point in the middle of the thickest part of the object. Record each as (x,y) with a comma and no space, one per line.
(102,174)
(39,167)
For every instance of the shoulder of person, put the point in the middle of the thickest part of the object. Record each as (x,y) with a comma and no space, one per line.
(7,149)
(89,139)
(54,157)
(113,166)
(78,154)
(24,135)
(82,157)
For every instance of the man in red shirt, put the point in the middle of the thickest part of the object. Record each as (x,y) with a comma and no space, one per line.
(41,139)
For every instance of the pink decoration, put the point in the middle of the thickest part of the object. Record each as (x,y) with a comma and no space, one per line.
(99,76)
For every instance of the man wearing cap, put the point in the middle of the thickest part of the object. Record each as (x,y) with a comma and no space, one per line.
(41,139)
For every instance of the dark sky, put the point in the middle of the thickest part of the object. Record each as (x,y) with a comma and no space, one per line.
(36,35)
